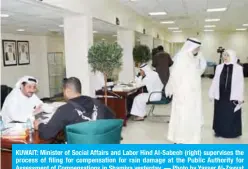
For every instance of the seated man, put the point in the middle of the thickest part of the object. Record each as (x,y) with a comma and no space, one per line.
(5,90)
(78,109)
(22,102)
(151,80)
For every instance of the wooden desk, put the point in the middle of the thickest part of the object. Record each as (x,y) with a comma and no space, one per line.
(6,148)
(117,101)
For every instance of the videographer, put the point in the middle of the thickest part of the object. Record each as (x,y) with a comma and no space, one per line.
(220,50)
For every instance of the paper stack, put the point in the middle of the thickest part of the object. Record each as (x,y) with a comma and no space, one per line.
(15,132)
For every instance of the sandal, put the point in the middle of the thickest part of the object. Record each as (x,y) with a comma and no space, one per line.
(138,119)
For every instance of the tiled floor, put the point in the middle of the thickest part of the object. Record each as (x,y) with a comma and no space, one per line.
(154,131)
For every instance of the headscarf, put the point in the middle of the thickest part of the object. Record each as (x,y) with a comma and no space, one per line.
(10,47)
(190,45)
(232,55)
(180,69)
(145,67)
(27,79)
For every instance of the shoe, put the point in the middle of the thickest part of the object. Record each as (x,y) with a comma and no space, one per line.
(138,119)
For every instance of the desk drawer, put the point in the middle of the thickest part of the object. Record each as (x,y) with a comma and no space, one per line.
(6,159)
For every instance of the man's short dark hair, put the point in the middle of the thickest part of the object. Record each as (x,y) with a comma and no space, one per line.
(160,48)
(72,83)
(154,51)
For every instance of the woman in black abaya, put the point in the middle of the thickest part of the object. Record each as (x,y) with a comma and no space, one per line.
(227,91)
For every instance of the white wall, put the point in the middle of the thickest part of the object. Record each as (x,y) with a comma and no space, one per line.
(157,42)
(55,44)
(237,41)
(39,46)
(166,46)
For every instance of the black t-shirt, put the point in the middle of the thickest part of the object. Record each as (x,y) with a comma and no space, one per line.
(76,110)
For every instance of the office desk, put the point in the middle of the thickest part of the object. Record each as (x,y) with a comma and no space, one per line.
(6,148)
(117,101)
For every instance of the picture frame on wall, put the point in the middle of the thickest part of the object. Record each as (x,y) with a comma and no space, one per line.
(23,52)
(9,52)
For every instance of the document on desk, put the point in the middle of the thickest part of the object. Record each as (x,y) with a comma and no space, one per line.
(58,104)
(46,118)
(14,130)
(50,108)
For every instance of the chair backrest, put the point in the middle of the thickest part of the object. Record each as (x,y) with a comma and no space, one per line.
(5,90)
(105,131)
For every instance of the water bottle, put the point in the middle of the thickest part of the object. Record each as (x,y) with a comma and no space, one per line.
(29,127)
(1,127)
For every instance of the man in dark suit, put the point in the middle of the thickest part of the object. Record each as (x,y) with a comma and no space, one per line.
(161,61)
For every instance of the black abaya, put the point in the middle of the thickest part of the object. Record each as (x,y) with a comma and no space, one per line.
(227,123)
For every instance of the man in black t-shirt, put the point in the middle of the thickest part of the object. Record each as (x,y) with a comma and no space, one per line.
(78,109)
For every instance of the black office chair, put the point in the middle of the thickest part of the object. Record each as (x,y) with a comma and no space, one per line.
(5,90)
(164,101)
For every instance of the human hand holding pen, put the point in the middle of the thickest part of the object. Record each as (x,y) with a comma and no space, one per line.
(37,109)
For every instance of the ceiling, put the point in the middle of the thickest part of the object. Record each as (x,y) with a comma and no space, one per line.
(191,14)
(104,28)
(37,18)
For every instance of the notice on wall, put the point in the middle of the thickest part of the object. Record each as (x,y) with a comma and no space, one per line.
(66,156)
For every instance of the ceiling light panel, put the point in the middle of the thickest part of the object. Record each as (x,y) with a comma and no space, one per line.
(212,20)
(157,13)
(209,26)
(217,10)
(167,22)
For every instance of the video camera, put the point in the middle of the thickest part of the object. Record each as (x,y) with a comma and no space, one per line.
(220,50)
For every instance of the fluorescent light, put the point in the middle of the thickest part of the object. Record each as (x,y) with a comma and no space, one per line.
(61,26)
(216,10)
(208,30)
(245,24)
(173,28)
(54,30)
(157,13)
(4,15)
(209,26)
(177,31)
(20,30)
(95,32)
(167,22)
(241,29)
(212,20)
